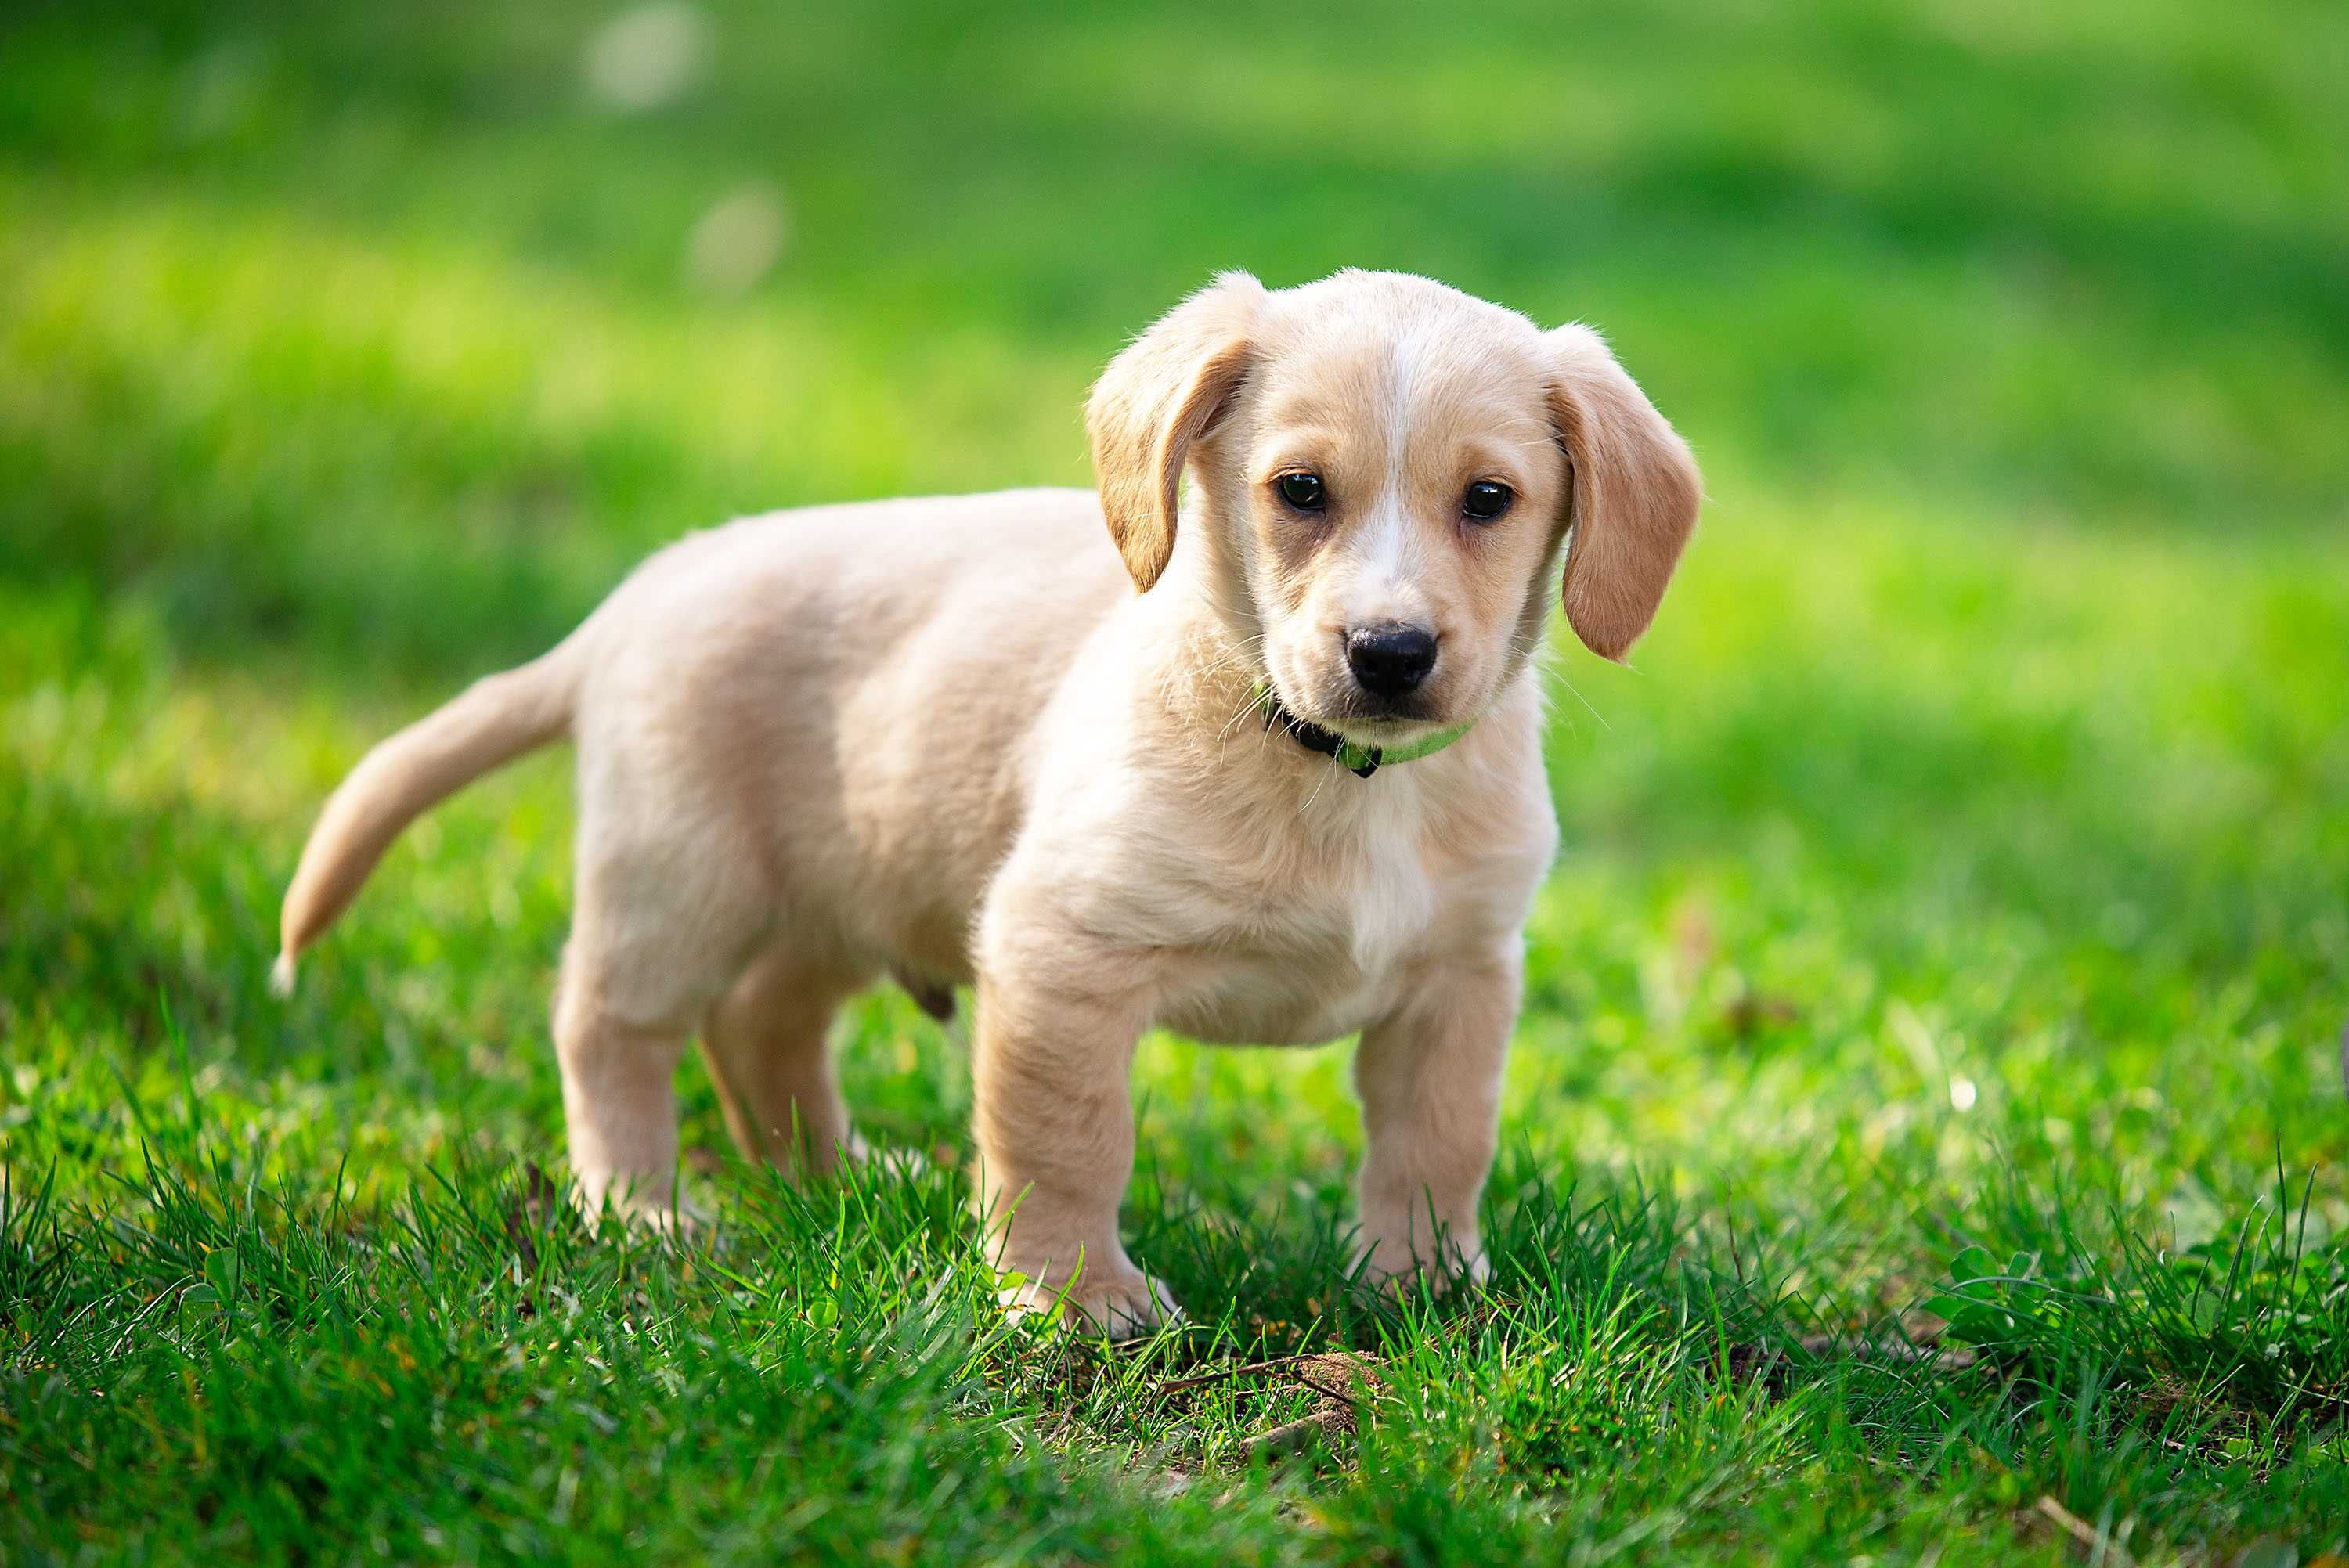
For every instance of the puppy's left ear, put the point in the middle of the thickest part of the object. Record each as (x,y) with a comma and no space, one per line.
(1635,493)
(1157,398)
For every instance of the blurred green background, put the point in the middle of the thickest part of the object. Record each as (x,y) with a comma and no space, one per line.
(1981,797)
(1964,864)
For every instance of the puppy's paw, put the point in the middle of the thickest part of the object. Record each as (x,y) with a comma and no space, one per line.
(643,1209)
(684,1220)
(1120,1303)
(1402,1263)
(893,1159)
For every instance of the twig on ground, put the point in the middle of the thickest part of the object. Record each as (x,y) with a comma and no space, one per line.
(2081,1531)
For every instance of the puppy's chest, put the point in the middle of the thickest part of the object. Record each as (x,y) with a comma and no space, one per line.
(1297,961)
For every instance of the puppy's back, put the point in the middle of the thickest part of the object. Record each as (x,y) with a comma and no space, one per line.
(861,683)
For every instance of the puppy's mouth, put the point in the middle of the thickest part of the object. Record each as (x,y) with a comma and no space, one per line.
(1383,724)
(1367,720)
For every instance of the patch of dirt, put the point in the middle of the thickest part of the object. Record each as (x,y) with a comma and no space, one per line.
(1344,1385)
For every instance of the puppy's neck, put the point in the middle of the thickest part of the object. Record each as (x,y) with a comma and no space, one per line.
(1206,638)
(1207,670)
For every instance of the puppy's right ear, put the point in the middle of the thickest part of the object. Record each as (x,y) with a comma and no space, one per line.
(1157,398)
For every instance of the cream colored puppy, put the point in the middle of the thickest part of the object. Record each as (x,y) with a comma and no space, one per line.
(1180,782)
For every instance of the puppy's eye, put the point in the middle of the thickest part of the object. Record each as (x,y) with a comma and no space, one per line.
(1303,492)
(1485,500)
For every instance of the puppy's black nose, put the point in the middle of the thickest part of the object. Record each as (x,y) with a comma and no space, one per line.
(1389,659)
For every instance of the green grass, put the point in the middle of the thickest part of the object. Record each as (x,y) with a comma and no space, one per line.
(1953,915)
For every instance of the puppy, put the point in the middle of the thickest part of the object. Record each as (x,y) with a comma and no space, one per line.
(1269,770)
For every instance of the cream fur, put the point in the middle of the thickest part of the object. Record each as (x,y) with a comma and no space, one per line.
(964,741)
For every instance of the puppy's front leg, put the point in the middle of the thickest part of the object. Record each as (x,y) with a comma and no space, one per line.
(1054,1122)
(1430,1079)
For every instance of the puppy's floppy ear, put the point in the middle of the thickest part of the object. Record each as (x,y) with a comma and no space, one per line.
(1635,493)
(1157,398)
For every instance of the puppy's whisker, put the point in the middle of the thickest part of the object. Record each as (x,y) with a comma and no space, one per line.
(1249,706)
(1229,656)
(1205,676)
(1318,784)
(1585,701)
(1234,654)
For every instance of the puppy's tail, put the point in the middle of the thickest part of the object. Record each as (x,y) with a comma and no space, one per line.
(491,722)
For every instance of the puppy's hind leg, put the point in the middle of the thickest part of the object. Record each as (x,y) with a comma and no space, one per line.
(620,1103)
(766,1043)
(660,929)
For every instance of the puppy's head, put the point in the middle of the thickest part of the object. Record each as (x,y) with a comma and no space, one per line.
(1386,470)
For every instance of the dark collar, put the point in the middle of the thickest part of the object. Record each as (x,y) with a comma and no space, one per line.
(1361,761)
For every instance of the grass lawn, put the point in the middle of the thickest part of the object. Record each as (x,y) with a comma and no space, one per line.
(1953,915)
